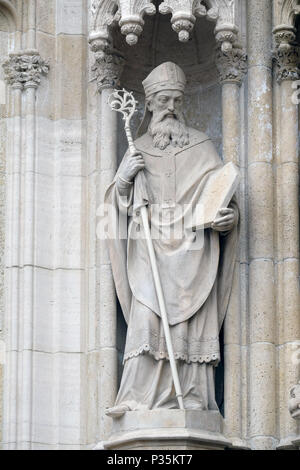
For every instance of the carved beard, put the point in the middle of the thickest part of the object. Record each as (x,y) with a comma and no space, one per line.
(166,130)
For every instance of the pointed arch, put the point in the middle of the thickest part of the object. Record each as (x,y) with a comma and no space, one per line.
(10,12)
(285,12)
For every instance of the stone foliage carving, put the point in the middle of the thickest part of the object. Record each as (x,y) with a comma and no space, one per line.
(24,69)
(231,65)
(108,68)
(286,54)
(294,403)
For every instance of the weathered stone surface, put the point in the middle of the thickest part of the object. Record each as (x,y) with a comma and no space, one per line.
(59,149)
(166,430)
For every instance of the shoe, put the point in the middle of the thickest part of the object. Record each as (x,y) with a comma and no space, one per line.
(117,411)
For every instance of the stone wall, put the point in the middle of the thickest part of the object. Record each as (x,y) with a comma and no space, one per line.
(60,146)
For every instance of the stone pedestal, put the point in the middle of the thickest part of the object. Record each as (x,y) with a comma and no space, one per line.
(167,430)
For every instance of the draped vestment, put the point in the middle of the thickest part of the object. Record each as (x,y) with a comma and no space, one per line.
(196,270)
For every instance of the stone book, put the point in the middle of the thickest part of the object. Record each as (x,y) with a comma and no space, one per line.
(217,194)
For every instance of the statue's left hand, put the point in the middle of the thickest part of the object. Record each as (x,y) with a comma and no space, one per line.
(225,221)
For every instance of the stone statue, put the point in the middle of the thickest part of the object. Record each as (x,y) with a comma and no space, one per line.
(294,402)
(176,161)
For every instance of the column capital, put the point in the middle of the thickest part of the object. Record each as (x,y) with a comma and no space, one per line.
(231,65)
(108,66)
(286,54)
(24,69)
(294,402)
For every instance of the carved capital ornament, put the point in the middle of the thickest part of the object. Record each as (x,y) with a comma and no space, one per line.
(286,54)
(231,65)
(24,69)
(108,68)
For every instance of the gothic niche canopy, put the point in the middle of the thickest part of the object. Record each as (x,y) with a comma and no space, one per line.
(129,16)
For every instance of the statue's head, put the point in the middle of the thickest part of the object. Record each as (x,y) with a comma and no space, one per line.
(164,120)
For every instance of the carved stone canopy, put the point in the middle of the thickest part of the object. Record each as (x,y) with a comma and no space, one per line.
(158,44)
(129,16)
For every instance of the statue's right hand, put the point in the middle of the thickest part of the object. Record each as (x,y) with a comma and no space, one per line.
(132,166)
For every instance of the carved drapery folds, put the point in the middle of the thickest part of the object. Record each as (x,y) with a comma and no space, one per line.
(294,402)
(231,65)
(25,69)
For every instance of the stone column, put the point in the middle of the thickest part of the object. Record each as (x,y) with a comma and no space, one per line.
(232,66)
(31,32)
(107,68)
(23,72)
(12,259)
(287,58)
(262,320)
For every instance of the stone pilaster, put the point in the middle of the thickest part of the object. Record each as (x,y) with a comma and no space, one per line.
(287,57)
(232,67)
(107,70)
(262,318)
(23,71)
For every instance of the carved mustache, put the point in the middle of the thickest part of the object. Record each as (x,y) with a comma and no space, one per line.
(159,117)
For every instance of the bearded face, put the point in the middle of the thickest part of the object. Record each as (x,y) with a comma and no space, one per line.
(167,126)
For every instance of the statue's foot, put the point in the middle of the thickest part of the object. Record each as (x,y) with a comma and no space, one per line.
(117,411)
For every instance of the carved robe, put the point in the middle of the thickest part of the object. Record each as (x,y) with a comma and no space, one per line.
(196,280)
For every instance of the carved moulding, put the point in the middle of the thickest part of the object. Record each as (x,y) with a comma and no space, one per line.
(294,402)
(231,65)
(129,14)
(24,69)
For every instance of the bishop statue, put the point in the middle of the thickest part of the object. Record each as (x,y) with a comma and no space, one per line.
(177,161)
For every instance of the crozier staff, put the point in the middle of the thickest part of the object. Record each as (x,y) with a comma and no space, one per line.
(177,162)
